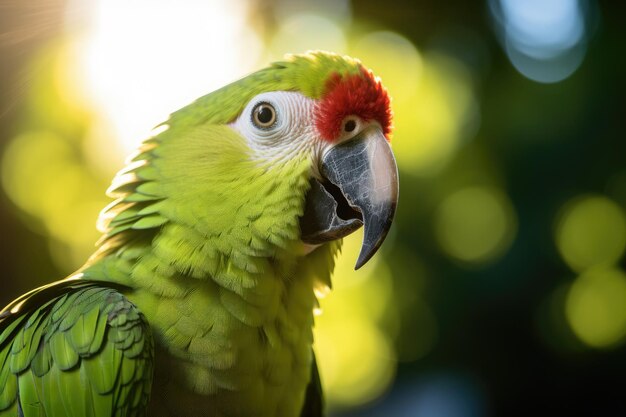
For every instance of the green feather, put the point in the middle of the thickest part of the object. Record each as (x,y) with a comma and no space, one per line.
(98,334)
(149,222)
(63,354)
(42,361)
(73,399)
(82,332)
(8,391)
(29,395)
(64,362)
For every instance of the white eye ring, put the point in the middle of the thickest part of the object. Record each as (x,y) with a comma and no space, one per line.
(263,115)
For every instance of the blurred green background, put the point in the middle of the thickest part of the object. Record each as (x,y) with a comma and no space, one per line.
(501,289)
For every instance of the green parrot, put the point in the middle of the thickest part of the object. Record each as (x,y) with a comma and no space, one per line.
(199,297)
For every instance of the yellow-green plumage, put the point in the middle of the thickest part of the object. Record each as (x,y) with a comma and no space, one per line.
(201,253)
(225,282)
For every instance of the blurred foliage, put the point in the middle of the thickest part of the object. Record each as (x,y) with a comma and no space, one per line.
(47,168)
(501,287)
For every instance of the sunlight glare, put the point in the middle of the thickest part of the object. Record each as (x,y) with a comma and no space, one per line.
(144,59)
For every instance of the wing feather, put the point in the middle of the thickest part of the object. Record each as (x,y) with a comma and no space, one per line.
(74,348)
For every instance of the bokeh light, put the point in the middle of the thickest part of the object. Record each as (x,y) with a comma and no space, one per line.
(447,395)
(47,163)
(44,171)
(394,59)
(303,32)
(339,11)
(433,100)
(435,394)
(596,307)
(591,230)
(545,40)
(475,224)
(361,301)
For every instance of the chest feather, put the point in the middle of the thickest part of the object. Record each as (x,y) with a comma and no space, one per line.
(223,353)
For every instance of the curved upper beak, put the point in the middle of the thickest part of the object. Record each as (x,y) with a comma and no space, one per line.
(359,187)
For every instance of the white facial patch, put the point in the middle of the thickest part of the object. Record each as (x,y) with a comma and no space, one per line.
(280,124)
(292,130)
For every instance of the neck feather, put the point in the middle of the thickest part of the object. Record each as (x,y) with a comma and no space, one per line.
(231,220)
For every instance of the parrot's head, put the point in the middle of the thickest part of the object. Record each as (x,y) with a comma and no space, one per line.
(296,152)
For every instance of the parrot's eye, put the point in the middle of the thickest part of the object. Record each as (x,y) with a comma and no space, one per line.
(263,115)
(349,125)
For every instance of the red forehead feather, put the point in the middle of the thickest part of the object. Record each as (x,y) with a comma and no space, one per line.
(358,94)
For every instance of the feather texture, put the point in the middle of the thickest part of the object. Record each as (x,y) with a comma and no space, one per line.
(74,355)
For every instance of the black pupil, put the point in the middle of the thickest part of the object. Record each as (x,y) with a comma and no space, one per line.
(265,114)
(350,126)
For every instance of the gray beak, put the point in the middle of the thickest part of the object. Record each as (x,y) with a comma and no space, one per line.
(360,187)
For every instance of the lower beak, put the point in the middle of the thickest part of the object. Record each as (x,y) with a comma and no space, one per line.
(359,187)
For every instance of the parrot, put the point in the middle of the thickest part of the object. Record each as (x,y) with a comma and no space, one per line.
(224,225)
